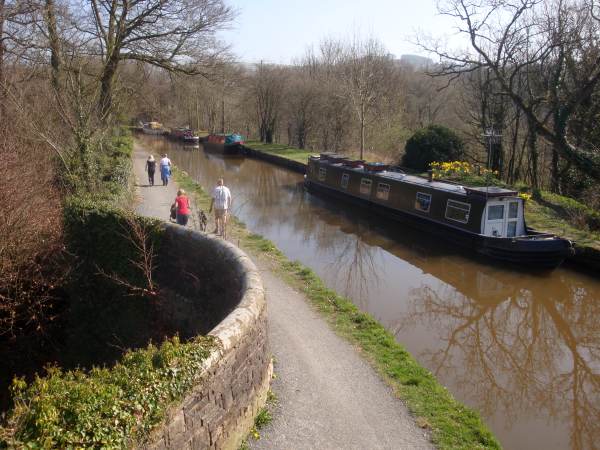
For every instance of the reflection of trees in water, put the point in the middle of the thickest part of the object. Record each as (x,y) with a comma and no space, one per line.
(354,265)
(519,349)
(268,194)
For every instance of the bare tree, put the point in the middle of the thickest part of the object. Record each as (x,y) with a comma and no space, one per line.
(526,37)
(365,70)
(15,24)
(175,35)
(267,92)
(302,104)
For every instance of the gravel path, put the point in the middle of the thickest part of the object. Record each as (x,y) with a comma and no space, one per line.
(328,396)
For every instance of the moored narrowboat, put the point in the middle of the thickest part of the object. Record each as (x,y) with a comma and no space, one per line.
(184,134)
(228,144)
(153,128)
(489,220)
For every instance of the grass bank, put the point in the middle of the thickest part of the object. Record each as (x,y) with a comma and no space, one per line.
(565,217)
(293,153)
(453,425)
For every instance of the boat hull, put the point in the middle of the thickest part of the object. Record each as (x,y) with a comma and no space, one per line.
(225,149)
(152,132)
(534,252)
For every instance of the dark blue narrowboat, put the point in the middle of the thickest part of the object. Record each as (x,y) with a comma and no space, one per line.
(489,220)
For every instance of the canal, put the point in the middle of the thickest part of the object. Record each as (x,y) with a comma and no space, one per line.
(522,349)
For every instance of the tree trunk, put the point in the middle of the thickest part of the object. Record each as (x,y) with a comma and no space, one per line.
(2,78)
(532,144)
(223,115)
(54,41)
(106,86)
(555,171)
(362,131)
(510,175)
(560,129)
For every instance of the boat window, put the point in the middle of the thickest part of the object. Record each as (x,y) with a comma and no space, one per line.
(457,211)
(322,173)
(383,191)
(513,210)
(511,229)
(495,212)
(345,179)
(365,186)
(423,202)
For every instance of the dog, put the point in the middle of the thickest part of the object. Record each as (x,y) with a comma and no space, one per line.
(202,220)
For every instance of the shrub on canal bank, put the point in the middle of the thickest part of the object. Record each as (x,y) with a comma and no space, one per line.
(452,424)
(105,408)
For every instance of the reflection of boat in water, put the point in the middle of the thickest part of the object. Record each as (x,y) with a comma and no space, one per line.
(234,162)
(228,144)
(489,220)
(226,163)
(441,260)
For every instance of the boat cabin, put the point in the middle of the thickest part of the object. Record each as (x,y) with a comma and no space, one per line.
(504,213)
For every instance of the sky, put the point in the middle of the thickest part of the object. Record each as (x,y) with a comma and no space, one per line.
(279,31)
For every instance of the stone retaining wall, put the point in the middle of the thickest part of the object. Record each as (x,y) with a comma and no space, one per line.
(587,257)
(220,411)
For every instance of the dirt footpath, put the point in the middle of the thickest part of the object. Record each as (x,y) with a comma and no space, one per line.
(328,396)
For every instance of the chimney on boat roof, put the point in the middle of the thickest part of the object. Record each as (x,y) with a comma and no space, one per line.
(430,175)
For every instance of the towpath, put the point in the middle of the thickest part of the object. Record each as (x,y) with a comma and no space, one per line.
(328,396)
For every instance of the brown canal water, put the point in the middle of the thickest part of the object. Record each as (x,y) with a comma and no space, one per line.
(522,349)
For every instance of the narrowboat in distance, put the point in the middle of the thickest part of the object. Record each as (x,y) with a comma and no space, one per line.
(153,128)
(184,134)
(489,220)
(228,144)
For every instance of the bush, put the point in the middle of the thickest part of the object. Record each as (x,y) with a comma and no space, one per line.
(434,143)
(32,263)
(100,235)
(105,408)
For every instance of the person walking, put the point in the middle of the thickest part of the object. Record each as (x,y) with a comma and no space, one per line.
(151,168)
(182,207)
(165,169)
(221,200)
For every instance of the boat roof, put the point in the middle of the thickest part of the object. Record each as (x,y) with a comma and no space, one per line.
(485,191)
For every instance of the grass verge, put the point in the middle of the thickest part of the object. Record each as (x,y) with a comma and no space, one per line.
(262,419)
(293,153)
(452,425)
(563,216)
